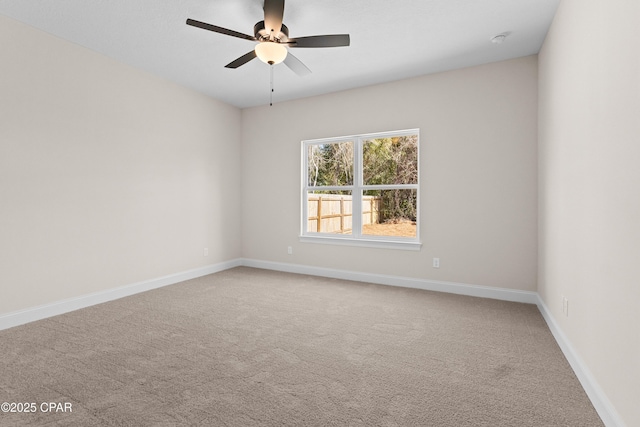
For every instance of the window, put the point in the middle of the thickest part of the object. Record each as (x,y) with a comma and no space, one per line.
(362,190)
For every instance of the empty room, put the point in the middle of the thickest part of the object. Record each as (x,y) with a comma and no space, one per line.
(329,213)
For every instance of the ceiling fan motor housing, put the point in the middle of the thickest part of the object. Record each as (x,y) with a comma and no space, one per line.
(263,35)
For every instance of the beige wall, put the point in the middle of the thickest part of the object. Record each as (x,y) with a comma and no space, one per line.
(590,189)
(108,175)
(478,171)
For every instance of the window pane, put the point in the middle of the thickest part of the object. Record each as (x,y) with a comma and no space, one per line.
(329,212)
(330,164)
(389,213)
(391,160)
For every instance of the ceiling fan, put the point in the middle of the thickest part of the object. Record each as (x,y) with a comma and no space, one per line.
(273,39)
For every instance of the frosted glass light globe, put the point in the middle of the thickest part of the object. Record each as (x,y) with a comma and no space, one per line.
(271,52)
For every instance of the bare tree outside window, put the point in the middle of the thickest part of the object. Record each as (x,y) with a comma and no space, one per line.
(331,164)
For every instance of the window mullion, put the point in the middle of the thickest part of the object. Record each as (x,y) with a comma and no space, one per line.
(356,195)
(390,187)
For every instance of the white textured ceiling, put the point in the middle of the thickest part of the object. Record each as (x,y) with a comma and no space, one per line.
(390,40)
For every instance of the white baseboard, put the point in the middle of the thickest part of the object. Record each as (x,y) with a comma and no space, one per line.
(406,282)
(21,317)
(598,398)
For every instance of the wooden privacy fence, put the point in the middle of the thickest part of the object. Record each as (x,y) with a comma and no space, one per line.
(332,213)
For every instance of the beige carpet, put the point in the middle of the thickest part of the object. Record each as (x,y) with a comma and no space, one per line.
(248,347)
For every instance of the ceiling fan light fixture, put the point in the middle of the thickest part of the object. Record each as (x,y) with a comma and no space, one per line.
(271,52)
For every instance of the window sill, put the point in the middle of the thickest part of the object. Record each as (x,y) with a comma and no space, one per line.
(408,245)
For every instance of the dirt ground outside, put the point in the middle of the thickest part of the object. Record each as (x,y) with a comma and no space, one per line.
(400,229)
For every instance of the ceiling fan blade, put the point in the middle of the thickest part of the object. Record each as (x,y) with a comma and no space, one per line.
(273,13)
(332,40)
(220,30)
(242,60)
(296,65)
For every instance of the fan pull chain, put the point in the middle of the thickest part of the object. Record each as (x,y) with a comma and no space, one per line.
(271,91)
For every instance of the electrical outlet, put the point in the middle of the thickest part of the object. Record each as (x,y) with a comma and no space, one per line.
(289,250)
(436,263)
(205,252)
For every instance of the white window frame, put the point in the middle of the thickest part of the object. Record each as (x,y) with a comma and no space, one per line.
(357,238)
